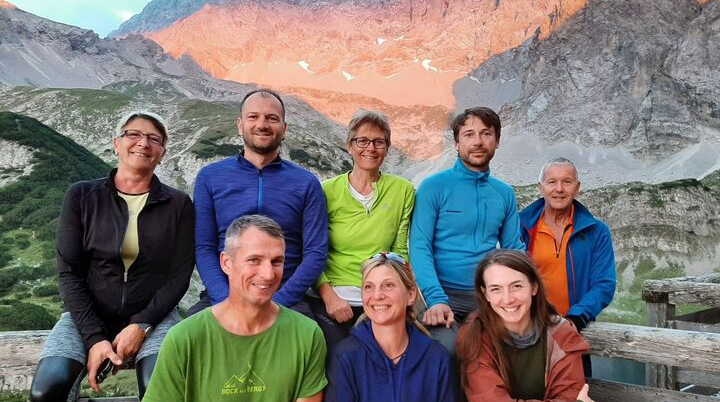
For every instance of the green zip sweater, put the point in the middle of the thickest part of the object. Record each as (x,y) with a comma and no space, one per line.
(356,235)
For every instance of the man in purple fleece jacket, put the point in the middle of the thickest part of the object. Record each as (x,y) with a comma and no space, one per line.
(258,182)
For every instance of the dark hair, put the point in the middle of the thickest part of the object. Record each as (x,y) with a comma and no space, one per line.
(485,321)
(243,223)
(372,117)
(264,92)
(487,115)
(407,278)
(153,118)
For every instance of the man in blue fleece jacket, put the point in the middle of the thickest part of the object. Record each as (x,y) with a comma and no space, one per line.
(460,215)
(258,182)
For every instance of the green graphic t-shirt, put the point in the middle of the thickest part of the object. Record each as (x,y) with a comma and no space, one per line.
(201,361)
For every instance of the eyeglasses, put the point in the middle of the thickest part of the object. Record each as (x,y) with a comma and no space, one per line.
(389,256)
(136,135)
(378,143)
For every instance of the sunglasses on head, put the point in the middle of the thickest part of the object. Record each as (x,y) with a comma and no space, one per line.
(389,256)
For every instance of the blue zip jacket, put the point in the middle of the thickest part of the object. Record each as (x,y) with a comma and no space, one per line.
(460,215)
(590,259)
(359,371)
(283,191)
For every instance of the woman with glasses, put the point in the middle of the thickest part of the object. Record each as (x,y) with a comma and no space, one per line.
(368,211)
(389,355)
(514,346)
(125,248)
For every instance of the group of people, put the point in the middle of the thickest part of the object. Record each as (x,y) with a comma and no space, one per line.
(353,289)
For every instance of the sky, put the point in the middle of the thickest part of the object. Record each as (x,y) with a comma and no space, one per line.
(102,16)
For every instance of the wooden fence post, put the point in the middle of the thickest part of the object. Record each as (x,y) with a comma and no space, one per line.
(659,312)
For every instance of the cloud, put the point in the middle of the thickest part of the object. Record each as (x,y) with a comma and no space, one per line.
(123,15)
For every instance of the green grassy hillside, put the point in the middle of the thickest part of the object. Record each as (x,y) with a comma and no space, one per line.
(29,207)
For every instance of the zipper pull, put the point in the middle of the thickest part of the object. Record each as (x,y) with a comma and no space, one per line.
(125,277)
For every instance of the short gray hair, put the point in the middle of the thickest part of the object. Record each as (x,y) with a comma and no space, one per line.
(157,122)
(243,223)
(373,117)
(559,161)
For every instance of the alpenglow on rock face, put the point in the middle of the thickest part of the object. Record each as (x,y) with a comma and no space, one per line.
(397,54)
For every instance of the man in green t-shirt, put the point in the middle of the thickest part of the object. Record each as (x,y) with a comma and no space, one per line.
(246,348)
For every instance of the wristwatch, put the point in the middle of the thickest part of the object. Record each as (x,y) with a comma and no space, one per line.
(147,328)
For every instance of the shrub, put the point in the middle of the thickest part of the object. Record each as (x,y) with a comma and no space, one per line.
(25,316)
(50,289)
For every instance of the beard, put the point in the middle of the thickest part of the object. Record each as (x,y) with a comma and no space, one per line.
(264,147)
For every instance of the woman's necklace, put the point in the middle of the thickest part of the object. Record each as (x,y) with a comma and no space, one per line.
(393,359)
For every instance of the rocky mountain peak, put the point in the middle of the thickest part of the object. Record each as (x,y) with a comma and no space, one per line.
(398,55)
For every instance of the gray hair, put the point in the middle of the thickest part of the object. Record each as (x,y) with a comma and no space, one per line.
(374,117)
(243,223)
(559,161)
(153,118)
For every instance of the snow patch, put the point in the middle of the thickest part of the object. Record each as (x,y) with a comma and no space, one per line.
(380,41)
(427,66)
(305,66)
(400,37)
(391,75)
(347,75)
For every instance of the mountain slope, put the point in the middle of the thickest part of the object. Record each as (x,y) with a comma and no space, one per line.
(200,131)
(111,77)
(29,207)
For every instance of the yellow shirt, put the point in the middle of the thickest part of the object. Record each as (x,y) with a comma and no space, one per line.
(551,260)
(131,247)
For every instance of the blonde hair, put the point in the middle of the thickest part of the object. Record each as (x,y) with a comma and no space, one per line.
(406,278)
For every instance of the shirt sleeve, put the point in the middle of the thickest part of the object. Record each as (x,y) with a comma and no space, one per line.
(315,248)
(400,244)
(168,382)
(182,264)
(422,234)
(339,380)
(207,253)
(73,265)
(314,379)
(510,231)
(601,288)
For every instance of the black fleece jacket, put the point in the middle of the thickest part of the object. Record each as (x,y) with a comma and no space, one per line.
(100,297)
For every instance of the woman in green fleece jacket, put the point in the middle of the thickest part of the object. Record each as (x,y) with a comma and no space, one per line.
(368,212)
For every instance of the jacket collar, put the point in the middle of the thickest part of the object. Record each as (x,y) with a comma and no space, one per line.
(464,173)
(156,190)
(244,163)
(418,343)
(530,215)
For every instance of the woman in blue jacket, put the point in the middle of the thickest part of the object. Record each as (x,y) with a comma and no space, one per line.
(389,355)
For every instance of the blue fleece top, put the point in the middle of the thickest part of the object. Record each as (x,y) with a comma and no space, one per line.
(590,259)
(359,370)
(460,215)
(283,191)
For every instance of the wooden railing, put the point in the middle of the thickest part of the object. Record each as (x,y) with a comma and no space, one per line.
(677,349)
(691,350)
(661,297)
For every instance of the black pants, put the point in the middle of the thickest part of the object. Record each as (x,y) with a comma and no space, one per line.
(56,376)
(333,331)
